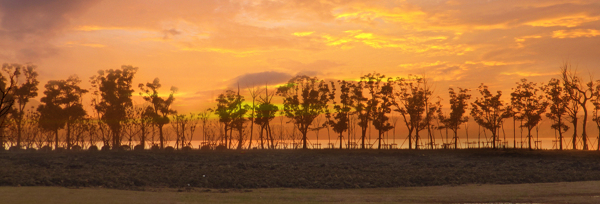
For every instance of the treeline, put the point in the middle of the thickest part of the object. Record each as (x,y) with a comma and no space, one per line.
(308,104)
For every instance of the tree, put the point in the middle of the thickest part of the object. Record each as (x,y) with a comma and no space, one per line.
(411,101)
(380,102)
(22,92)
(8,80)
(580,94)
(340,121)
(265,113)
(559,101)
(489,111)
(184,127)
(362,108)
(114,86)
(160,108)
(304,98)
(228,109)
(62,106)
(458,107)
(530,104)
(596,116)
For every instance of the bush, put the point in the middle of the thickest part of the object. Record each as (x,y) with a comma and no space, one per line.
(76,148)
(125,148)
(220,147)
(60,149)
(169,149)
(155,147)
(205,147)
(186,148)
(138,148)
(15,148)
(105,148)
(93,148)
(46,148)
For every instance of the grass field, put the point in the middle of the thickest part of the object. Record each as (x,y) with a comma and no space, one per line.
(564,192)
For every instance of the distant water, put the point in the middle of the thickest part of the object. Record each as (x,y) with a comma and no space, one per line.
(543,143)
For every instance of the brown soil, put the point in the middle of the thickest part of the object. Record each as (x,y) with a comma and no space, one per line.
(295,168)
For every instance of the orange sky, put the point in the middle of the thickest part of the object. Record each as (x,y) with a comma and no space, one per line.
(202,47)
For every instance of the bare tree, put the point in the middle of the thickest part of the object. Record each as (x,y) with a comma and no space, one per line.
(304,98)
(580,93)
(489,111)
(7,84)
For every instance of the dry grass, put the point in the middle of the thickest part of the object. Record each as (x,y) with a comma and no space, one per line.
(565,192)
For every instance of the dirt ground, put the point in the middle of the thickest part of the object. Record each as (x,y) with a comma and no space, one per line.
(564,192)
(321,169)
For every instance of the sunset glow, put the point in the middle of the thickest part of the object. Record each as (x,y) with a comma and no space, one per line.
(203,47)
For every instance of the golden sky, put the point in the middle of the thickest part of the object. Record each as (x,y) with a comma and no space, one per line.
(204,46)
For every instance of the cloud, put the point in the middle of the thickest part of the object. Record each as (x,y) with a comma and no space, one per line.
(575,33)
(170,32)
(28,26)
(260,78)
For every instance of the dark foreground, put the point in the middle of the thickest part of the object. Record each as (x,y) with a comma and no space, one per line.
(295,168)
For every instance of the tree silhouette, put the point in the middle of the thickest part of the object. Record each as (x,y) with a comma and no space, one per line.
(530,103)
(184,127)
(559,101)
(62,106)
(239,119)
(253,91)
(114,86)
(265,113)
(228,109)
(22,92)
(362,108)
(489,112)
(580,94)
(340,121)
(304,98)
(596,116)
(411,101)
(160,108)
(380,102)
(458,107)
(8,80)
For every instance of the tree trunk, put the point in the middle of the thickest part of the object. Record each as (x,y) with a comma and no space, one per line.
(304,132)
(56,138)
(455,139)
(584,128)
(529,136)
(161,137)
(68,135)
(364,134)
(575,133)
(262,142)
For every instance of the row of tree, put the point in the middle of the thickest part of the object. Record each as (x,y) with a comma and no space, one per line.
(367,102)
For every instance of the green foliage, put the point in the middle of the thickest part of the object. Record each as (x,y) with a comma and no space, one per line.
(304,98)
